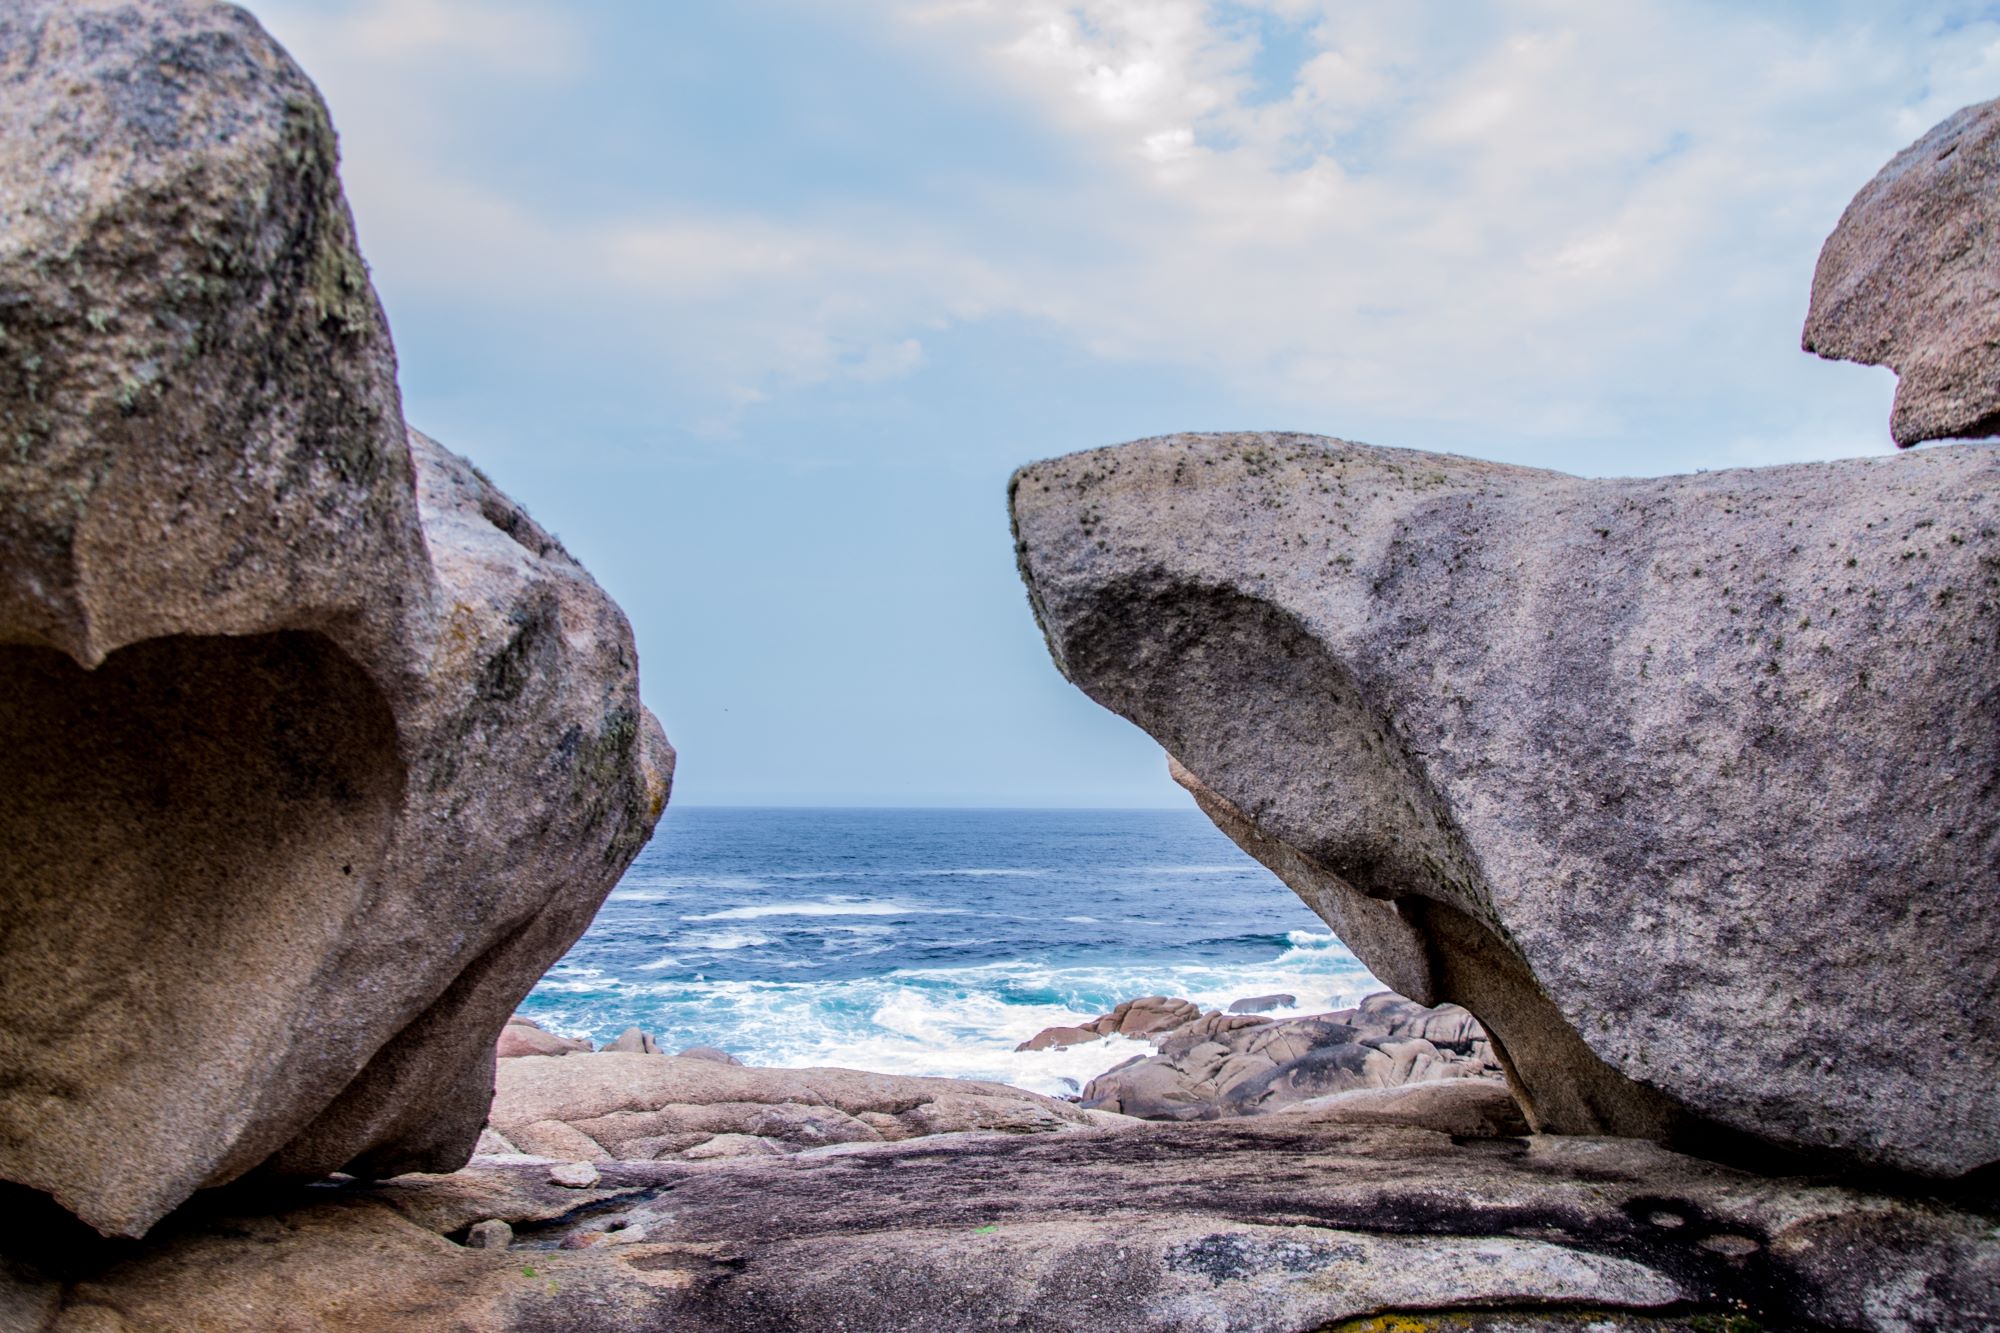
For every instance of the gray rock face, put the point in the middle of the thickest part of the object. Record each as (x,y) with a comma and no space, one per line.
(1688,788)
(1910,279)
(1258,1226)
(315,751)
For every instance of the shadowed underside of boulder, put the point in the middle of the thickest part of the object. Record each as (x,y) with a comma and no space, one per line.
(1688,788)
(315,750)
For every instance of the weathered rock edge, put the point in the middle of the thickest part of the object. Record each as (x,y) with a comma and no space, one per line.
(315,751)
(1263,1226)
(1910,279)
(1688,787)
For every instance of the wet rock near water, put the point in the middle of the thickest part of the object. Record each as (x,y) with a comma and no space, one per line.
(634,1042)
(524,1036)
(711,1054)
(1143,1018)
(1259,1004)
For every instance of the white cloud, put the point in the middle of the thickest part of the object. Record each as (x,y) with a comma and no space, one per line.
(1568,216)
(1547,211)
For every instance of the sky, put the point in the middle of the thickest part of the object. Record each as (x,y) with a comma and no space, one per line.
(757,304)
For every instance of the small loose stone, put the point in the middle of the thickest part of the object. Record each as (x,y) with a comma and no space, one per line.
(492,1234)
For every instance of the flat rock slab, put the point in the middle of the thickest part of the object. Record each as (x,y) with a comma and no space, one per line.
(1687,787)
(625,1105)
(1260,1225)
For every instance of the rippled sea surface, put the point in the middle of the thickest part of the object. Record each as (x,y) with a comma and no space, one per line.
(933,941)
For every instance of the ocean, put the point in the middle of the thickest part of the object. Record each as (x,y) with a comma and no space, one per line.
(933,941)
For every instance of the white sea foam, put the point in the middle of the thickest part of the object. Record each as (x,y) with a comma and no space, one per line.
(828,907)
(725,939)
(1081,920)
(950,1021)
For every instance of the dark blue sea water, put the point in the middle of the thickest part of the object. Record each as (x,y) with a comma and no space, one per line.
(932,941)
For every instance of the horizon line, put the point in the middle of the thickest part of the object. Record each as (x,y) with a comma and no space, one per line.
(817,805)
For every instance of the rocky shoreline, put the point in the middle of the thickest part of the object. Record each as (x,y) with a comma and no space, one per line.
(1384,1055)
(316,752)
(626,1190)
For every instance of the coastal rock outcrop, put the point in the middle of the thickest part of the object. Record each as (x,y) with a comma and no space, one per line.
(1226,1065)
(1258,1226)
(1688,787)
(1147,1017)
(1910,279)
(1230,1063)
(625,1106)
(315,750)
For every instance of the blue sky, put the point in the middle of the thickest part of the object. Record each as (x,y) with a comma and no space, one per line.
(758,303)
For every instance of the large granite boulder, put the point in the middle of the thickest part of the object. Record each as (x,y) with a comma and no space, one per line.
(1687,787)
(1253,1226)
(1910,279)
(315,750)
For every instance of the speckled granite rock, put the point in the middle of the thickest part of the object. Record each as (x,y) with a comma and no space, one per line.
(315,750)
(1687,787)
(1261,1226)
(1910,279)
